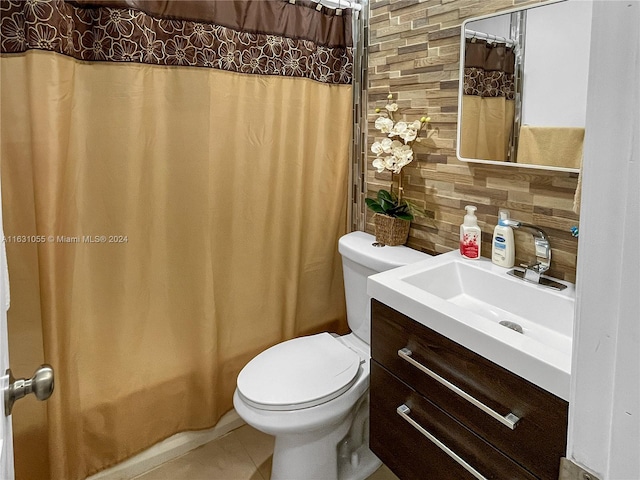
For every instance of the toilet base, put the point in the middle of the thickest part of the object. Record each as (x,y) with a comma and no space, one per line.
(333,453)
(317,457)
(361,466)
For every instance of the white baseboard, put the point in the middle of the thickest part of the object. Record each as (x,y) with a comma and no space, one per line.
(168,449)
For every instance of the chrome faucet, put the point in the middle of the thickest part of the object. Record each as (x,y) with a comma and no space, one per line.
(533,272)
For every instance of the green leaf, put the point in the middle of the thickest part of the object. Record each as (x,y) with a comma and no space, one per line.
(404,216)
(402,211)
(388,196)
(388,206)
(373,205)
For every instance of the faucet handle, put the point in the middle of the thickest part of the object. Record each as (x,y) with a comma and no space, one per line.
(543,248)
(532,271)
(535,266)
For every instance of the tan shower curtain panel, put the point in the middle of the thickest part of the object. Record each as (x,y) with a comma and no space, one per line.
(488,104)
(172,213)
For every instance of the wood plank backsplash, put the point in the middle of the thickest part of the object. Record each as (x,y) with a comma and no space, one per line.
(414,53)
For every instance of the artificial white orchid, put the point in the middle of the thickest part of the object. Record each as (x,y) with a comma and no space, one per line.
(398,129)
(384,124)
(402,153)
(380,164)
(384,146)
(392,107)
(393,154)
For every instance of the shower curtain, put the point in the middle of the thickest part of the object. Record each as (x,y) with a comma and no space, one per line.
(174,180)
(488,103)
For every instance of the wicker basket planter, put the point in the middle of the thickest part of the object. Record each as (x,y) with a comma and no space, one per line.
(391,230)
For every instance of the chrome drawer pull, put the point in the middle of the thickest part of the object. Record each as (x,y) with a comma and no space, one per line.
(510,420)
(404,412)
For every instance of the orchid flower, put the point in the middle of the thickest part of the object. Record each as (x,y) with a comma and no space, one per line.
(384,124)
(393,153)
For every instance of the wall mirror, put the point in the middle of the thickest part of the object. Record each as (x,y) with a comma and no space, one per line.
(523,86)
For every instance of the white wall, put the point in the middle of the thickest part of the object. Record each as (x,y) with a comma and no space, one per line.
(556,64)
(604,412)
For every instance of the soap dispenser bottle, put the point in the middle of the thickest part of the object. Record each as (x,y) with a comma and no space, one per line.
(503,247)
(470,234)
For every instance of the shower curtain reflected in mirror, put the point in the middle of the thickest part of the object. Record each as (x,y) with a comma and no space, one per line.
(488,104)
(189,180)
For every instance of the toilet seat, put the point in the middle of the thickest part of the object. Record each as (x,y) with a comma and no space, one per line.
(299,373)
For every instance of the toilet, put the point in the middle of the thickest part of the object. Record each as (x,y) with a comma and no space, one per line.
(311,392)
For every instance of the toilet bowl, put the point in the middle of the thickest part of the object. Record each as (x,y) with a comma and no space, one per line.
(327,438)
(311,392)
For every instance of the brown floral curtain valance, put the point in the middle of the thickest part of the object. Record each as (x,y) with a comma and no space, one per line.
(489,69)
(258,37)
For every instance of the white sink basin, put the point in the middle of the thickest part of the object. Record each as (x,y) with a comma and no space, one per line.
(465,300)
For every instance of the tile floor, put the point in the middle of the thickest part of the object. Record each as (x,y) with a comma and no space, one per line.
(243,454)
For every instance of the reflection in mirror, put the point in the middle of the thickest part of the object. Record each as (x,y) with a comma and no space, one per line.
(523,84)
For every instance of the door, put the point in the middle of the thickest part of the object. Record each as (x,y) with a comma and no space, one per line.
(41,384)
(6,433)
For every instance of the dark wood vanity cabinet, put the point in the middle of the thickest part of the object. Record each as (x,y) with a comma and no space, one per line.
(429,402)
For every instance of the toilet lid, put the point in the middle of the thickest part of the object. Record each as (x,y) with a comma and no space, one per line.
(299,373)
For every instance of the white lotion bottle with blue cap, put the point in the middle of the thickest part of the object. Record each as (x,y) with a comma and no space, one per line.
(470,234)
(503,249)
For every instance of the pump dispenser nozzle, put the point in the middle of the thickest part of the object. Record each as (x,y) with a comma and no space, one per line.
(503,216)
(470,219)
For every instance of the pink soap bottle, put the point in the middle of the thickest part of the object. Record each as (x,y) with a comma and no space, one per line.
(470,235)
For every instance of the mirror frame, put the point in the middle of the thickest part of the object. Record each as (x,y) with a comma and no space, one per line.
(461,89)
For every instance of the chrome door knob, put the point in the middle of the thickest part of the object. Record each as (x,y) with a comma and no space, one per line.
(41,385)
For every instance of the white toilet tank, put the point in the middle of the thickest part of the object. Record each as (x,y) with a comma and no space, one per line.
(359,260)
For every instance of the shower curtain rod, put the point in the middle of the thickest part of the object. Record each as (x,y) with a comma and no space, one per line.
(335,4)
(487,36)
(341,4)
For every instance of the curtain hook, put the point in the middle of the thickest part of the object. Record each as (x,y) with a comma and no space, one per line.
(339,9)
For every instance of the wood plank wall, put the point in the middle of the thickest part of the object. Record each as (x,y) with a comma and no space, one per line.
(414,54)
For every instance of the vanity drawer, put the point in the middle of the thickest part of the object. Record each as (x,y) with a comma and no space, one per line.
(538,440)
(399,440)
